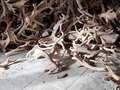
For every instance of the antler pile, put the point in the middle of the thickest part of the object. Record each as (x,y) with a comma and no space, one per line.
(85,31)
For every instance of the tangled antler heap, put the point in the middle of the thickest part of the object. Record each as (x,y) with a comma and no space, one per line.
(85,31)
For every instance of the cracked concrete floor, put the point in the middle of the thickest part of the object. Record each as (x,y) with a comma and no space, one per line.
(30,75)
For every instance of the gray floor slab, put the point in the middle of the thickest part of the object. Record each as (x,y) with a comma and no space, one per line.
(30,75)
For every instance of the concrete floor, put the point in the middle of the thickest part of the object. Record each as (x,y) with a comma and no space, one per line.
(30,75)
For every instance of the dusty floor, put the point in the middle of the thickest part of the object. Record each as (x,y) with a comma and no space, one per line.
(30,75)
